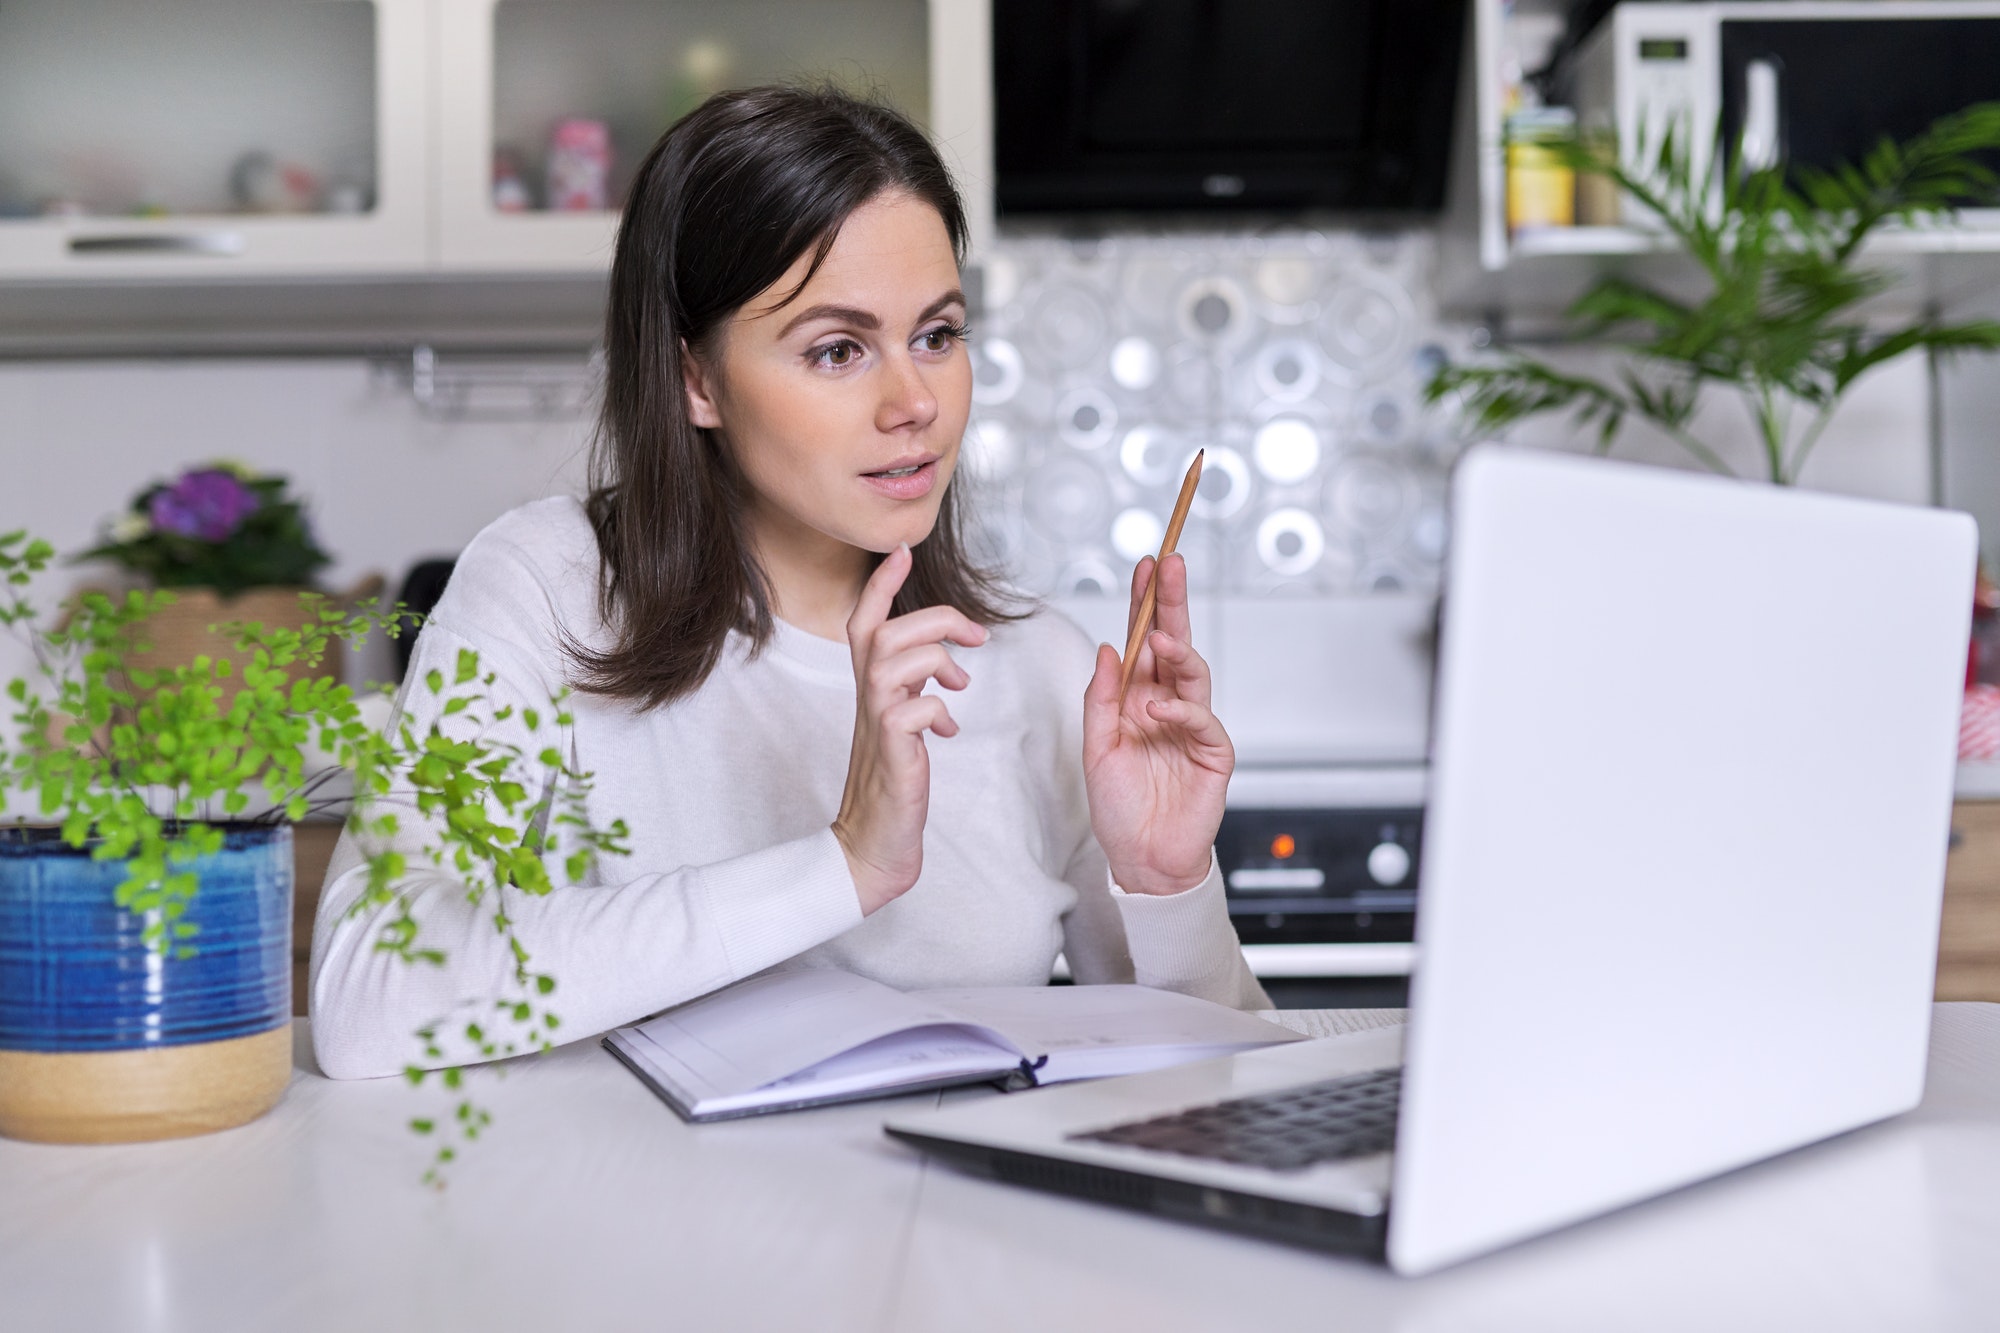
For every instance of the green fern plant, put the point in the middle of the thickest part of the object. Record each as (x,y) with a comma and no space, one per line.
(1781,322)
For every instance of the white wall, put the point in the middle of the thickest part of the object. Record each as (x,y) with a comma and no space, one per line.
(1878,445)
(385,486)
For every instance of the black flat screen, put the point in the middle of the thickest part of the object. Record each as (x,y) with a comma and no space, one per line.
(1175,104)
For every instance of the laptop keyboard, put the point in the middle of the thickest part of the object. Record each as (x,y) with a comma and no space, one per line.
(1288,1130)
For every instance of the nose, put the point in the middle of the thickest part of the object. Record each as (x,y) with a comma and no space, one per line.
(908,403)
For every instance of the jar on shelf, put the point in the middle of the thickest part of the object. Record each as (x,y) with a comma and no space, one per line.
(1541,183)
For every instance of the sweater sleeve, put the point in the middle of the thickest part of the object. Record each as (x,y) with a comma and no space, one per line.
(1182,942)
(635,940)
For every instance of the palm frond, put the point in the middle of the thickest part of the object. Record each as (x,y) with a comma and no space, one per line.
(1497,396)
(1935,173)
(1616,302)
(1861,355)
(1780,319)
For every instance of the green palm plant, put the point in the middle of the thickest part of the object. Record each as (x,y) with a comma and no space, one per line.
(1781,323)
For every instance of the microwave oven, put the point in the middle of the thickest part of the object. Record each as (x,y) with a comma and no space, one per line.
(1814,83)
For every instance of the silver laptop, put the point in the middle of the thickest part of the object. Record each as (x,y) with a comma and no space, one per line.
(1691,782)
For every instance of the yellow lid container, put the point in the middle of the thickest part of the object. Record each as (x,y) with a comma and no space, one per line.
(1541,185)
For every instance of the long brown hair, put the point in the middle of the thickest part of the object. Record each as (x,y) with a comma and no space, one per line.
(723,206)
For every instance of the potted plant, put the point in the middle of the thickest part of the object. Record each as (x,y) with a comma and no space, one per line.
(234,544)
(1782,321)
(145,858)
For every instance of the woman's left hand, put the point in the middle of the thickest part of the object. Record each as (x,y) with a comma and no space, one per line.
(1157,767)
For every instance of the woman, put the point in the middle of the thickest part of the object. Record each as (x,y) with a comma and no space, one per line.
(752,601)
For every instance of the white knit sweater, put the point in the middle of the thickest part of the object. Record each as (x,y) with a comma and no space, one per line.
(729,794)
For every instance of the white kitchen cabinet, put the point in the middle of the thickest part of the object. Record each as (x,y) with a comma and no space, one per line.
(213,139)
(142,141)
(511,72)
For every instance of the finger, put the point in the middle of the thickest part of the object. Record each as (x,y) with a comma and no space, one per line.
(1185,669)
(1144,666)
(1142,574)
(878,595)
(1100,704)
(1201,726)
(1171,608)
(924,713)
(889,678)
(933,624)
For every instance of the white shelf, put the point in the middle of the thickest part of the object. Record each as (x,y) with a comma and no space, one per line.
(1978,234)
(1570,242)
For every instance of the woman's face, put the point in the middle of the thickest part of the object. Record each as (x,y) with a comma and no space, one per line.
(844,406)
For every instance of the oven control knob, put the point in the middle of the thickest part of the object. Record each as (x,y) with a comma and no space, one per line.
(1388,864)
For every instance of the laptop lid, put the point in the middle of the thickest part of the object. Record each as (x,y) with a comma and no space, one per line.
(1684,850)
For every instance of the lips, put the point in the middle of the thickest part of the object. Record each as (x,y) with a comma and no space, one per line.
(906,479)
(905,466)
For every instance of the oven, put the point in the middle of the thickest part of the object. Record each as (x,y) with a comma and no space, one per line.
(1320,866)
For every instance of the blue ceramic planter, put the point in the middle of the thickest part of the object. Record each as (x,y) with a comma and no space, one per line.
(78,983)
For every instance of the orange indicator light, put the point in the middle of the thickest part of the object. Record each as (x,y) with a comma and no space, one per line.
(1283,846)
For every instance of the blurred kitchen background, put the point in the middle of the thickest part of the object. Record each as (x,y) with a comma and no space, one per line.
(362,243)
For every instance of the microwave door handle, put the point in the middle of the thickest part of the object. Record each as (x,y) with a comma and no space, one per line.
(1762,146)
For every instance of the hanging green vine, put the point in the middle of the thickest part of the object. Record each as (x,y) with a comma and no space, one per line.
(142,764)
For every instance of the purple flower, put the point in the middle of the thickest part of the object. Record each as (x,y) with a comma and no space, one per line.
(207,504)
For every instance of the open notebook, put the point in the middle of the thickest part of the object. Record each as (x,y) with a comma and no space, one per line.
(807,1038)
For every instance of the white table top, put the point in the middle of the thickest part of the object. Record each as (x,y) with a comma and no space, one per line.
(590,1206)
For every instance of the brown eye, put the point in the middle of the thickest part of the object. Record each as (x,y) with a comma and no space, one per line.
(937,340)
(835,355)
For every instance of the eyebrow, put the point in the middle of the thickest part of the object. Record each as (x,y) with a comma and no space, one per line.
(862,319)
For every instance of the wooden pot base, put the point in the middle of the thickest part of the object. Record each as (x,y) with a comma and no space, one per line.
(154,1092)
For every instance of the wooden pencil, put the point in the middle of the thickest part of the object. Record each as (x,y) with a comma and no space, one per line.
(1144,623)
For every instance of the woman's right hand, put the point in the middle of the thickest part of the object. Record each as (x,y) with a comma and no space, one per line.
(881,822)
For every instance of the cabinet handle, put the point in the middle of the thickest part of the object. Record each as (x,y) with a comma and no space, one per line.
(191,243)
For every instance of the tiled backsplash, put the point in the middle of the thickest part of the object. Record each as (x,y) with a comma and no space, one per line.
(1296,360)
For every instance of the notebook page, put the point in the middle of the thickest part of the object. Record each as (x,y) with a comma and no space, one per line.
(923,1058)
(1091,1031)
(758,1031)
(1335,1022)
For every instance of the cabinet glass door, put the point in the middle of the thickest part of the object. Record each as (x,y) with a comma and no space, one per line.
(543,136)
(210,135)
